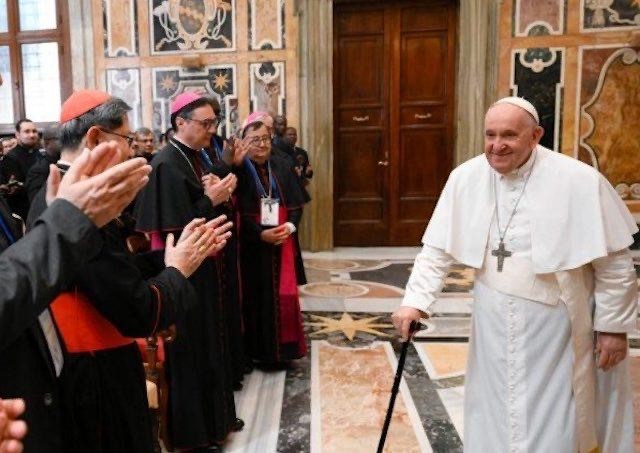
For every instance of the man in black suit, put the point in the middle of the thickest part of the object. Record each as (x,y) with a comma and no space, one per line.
(33,270)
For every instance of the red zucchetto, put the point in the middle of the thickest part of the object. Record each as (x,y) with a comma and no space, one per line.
(80,102)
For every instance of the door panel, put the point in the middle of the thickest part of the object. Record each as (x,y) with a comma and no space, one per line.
(393,113)
(360,73)
(420,18)
(423,82)
(354,177)
(421,154)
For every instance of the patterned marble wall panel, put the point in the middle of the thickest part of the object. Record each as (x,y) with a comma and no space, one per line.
(609,15)
(120,21)
(125,84)
(538,76)
(266,24)
(218,81)
(192,26)
(541,17)
(608,115)
(267,87)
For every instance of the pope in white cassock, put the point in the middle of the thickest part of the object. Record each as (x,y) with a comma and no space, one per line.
(554,296)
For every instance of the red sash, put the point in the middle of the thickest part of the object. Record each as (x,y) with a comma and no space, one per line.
(291,330)
(83,328)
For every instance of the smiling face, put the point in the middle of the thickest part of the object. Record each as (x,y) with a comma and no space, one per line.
(259,144)
(509,137)
(197,130)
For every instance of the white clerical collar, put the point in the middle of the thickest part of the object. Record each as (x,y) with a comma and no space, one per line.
(523,170)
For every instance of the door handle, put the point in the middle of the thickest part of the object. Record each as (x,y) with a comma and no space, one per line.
(360,119)
(385,162)
(418,116)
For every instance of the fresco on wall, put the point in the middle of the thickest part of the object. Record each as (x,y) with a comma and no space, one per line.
(538,76)
(192,25)
(266,24)
(548,14)
(125,84)
(120,22)
(609,115)
(267,87)
(600,15)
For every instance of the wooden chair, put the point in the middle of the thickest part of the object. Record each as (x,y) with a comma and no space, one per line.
(155,373)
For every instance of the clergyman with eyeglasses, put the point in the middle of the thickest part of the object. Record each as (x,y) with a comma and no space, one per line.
(198,363)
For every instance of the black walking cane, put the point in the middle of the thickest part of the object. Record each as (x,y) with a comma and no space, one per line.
(413,328)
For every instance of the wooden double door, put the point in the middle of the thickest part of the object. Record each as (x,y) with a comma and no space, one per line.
(394,72)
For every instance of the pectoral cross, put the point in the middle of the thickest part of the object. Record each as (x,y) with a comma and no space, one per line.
(501,253)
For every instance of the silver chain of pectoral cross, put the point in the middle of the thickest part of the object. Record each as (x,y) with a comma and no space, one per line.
(501,252)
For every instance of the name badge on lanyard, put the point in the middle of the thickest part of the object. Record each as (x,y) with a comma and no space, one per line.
(269,209)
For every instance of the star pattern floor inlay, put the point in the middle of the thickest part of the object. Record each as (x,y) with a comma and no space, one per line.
(347,305)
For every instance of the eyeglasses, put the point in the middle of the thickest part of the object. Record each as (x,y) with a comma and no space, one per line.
(257,141)
(128,138)
(206,123)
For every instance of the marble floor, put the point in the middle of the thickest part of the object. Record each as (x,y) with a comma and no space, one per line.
(336,398)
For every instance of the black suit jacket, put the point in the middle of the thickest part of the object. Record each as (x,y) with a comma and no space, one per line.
(32,272)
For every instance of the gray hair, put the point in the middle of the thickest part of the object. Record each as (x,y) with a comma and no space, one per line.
(144,131)
(108,115)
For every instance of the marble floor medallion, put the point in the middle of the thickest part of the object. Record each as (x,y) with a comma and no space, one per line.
(331,265)
(334,289)
(334,400)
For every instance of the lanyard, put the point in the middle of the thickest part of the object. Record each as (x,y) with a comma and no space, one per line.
(6,231)
(206,160)
(216,148)
(273,188)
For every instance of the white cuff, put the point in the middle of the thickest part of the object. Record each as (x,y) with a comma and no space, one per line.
(291,227)
(418,302)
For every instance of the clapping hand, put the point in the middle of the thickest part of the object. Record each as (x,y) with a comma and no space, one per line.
(99,183)
(197,241)
(219,190)
(12,431)
(240,150)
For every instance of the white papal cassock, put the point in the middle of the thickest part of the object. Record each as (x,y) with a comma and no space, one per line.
(531,383)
